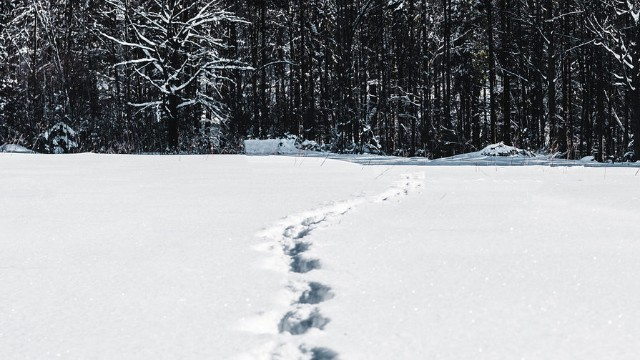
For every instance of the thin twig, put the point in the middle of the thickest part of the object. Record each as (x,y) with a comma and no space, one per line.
(325,159)
(384,172)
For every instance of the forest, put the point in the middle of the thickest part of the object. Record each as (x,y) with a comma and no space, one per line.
(400,77)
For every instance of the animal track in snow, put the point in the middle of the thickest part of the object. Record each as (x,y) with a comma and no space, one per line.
(316,294)
(300,264)
(320,353)
(293,236)
(409,183)
(292,239)
(299,321)
(299,248)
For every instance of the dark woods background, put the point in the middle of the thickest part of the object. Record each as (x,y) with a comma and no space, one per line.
(405,77)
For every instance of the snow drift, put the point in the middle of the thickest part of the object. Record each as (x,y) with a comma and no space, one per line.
(14,148)
(501,149)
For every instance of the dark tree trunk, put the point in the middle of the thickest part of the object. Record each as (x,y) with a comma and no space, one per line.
(492,73)
(565,131)
(505,7)
(267,128)
(447,64)
(634,98)
(173,123)
(551,72)
(600,106)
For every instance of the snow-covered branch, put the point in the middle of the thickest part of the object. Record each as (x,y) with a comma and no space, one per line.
(176,50)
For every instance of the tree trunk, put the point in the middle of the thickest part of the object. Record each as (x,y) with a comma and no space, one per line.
(635,94)
(264,96)
(447,64)
(172,125)
(492,73)
(505,7)
(551,73)
(600,106)
(565,131)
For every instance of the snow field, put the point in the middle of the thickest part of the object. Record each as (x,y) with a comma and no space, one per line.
(233,257)
(147,257)
(504,263)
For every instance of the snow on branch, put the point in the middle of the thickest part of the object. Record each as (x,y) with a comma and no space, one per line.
(635,13)
(177,52)
(135,61)
(125,43)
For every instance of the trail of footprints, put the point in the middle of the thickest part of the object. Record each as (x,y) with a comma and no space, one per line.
(304,313)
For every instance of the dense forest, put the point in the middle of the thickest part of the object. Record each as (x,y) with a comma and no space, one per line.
(405,77)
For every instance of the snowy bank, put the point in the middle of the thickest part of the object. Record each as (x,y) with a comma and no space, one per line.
(14,148)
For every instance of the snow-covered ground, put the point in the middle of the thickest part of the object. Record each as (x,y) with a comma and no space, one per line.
(235,257)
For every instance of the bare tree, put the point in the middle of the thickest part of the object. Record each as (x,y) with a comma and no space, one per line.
(618,31)
(176,49)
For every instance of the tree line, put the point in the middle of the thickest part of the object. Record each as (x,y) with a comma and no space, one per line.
(405,77)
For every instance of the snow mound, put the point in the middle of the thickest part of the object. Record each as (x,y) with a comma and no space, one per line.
(14,148)
(270,147)
(501,149)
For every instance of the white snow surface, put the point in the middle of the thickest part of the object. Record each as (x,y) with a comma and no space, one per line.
(236,257)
